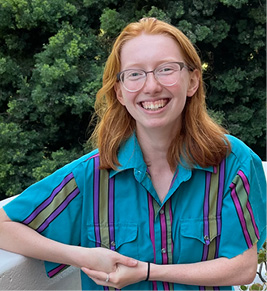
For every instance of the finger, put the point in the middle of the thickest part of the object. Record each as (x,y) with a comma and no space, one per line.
(95,275)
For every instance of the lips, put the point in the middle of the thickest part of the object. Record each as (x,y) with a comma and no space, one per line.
(154,105)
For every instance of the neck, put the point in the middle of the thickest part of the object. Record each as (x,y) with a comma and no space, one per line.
(154,145)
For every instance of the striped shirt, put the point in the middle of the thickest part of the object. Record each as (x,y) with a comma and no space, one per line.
(208,212)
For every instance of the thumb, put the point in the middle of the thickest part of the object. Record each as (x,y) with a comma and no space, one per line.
(127,261)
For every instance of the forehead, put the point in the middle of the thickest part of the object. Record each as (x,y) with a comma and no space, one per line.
(149,48)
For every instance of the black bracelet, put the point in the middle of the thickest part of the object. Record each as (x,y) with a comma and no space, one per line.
(148,271)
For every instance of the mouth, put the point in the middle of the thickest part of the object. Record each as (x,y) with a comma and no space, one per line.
(155,105)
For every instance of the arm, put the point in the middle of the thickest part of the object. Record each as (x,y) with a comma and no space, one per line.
(218,272)
(21,239)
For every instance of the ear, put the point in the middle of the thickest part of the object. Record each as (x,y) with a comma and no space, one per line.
(193,83)
(117,88)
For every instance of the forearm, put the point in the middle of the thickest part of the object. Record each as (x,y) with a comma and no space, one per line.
(219,272)
(19,238)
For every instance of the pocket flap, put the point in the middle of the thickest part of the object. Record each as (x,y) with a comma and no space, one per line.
(194,228)
(124,233)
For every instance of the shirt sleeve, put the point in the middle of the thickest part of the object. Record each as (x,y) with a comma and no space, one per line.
(52,207)
(244,205)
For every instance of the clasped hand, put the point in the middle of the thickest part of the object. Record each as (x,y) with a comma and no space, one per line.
(115,270)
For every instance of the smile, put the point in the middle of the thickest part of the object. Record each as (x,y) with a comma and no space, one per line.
(153,106)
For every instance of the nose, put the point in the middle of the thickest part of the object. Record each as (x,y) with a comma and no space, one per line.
(151,85)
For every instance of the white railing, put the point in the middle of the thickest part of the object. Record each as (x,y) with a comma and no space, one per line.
(21,273)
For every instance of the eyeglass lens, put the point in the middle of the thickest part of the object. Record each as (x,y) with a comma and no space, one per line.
(166,74)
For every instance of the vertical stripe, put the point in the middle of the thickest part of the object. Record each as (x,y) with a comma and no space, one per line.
(96,201)
(152,230)
(168,243)
(164,244)
(219,205)
(168,218)
(103,208)
(205,218)
(111,213)
(212,205)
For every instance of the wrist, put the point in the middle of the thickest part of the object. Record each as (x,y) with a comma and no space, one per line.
(148,271)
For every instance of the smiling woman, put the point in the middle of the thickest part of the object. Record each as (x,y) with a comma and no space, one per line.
(155,206)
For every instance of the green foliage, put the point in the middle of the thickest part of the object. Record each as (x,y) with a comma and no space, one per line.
(52,54)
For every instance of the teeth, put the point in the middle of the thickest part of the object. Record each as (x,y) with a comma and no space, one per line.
(148,105)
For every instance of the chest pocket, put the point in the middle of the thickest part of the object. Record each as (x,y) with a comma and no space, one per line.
(103,232)
(201,237)
(123,242)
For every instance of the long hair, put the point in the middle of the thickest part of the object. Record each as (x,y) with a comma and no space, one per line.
(199,141)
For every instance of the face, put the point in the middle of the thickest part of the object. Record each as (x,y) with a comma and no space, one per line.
(154,106)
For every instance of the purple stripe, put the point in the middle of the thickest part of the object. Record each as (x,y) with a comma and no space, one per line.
(111,212)
(219,206)
(57,211)
(56,270)
(151,224)
(96,202)
(247,187)
(206,214)
(240,214)
(42,206)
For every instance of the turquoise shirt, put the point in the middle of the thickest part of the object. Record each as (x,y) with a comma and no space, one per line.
(208,212)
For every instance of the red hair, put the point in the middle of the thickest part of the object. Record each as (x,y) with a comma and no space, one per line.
(199,141)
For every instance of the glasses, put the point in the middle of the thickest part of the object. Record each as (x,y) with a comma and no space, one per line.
(166,74)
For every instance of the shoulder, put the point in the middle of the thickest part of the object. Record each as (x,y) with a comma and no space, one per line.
(242,157)
(83,160)
(240,151)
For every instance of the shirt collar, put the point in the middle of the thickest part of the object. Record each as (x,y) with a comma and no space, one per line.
(130,156)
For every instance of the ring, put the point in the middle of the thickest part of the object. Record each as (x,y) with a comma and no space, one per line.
(107,278)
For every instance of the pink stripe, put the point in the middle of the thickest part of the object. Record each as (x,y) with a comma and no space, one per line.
(245,181)
(247,187)
(170,213)
(253,220)
(94,156)
(240,214)
(152,230)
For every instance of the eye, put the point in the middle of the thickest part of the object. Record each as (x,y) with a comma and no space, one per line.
(166,69)
(133,75)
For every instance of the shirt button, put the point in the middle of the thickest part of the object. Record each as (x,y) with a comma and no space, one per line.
(113,243)
(161,211)
(163,251)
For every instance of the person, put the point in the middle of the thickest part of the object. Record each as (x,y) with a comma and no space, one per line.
(168,200)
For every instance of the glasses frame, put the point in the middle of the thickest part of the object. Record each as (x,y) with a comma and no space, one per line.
(181,65)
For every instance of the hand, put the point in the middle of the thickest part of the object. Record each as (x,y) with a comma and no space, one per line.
(102,259)
(122,276)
